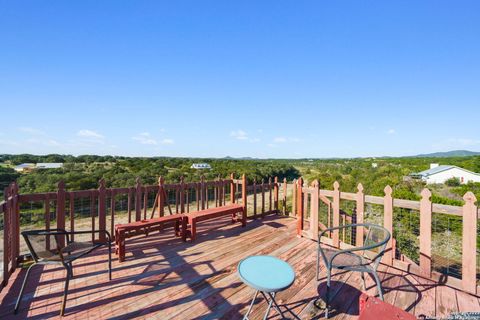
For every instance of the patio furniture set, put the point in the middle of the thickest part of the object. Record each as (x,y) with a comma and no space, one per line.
(266,275)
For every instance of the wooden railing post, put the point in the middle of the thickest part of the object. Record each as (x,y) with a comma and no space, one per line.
(294,198)
(138,200)
(299,202)
(102,210)
(16,225)
(7,247)
(182,195)
(161,196)
(244,199)
(202,191)
(336,213)
(426,233)
(254,198)
(388,224)
(359,214)
(232,189)
(314,210)
(284,198)
(61,210)
(263,198)
(275,195)
(270,199)
(469,243)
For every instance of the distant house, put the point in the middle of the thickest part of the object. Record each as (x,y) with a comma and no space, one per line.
(50,165)
(440,174)
(374,165)
(24,167)
(27,167)
(201,166)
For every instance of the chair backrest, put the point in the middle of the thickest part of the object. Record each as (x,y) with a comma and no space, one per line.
(376,240)
(43,244)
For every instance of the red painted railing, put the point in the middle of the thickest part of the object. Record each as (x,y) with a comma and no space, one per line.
(314,209)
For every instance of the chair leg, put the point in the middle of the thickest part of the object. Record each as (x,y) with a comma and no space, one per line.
(327,295)
(317,269)
(251,305)
(65,292)
(379,285)
(17,305)
(71,271)
(109,260)
(363,281)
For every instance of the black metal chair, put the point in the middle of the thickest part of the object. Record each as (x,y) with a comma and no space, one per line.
(39,243)
(361,259)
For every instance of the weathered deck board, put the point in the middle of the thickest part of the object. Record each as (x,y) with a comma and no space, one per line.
(165,278)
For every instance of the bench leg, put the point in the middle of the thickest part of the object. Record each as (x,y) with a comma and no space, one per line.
(193,230)
(177,228)
(184,230)
(244,218)
(121,247)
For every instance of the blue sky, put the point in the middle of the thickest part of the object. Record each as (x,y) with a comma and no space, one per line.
(247,78)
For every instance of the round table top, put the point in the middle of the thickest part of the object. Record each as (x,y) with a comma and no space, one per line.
(266,273)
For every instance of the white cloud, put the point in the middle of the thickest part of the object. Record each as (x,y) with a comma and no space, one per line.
(167,141)
(85,133)
(32,131)
(271,145)
(255,140)
(145,138)
(285,140)
(239,135)
(456,143)
(391,131)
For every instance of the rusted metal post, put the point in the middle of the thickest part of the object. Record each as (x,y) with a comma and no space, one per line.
(469,243)
(102,210)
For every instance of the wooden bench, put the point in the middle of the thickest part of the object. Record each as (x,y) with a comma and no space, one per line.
(212,213)
(127,230)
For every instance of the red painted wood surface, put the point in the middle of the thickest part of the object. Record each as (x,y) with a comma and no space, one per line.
(372,309)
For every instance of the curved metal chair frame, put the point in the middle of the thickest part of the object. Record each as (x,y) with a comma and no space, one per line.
(64,256)
(368,264)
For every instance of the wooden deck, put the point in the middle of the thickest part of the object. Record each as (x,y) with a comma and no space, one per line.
(164,278)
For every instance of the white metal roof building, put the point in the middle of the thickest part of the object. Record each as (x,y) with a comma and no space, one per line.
(440,174)
(201,166)
(52,165)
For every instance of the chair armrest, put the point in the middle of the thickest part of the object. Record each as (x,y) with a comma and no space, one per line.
(91,231)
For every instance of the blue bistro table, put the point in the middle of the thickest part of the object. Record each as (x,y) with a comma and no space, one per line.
(267,275)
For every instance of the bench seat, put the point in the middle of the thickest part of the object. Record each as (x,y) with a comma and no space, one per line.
(212,213)
(127,230)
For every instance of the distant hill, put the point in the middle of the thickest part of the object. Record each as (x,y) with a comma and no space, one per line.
(453,153)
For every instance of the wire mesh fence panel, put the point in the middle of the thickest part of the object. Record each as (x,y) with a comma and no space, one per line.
(447,244)
(373,214)
(406,232)
(84,217)
(347,211)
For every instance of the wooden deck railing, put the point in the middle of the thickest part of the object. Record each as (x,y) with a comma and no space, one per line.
(314,208)
(312,195)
